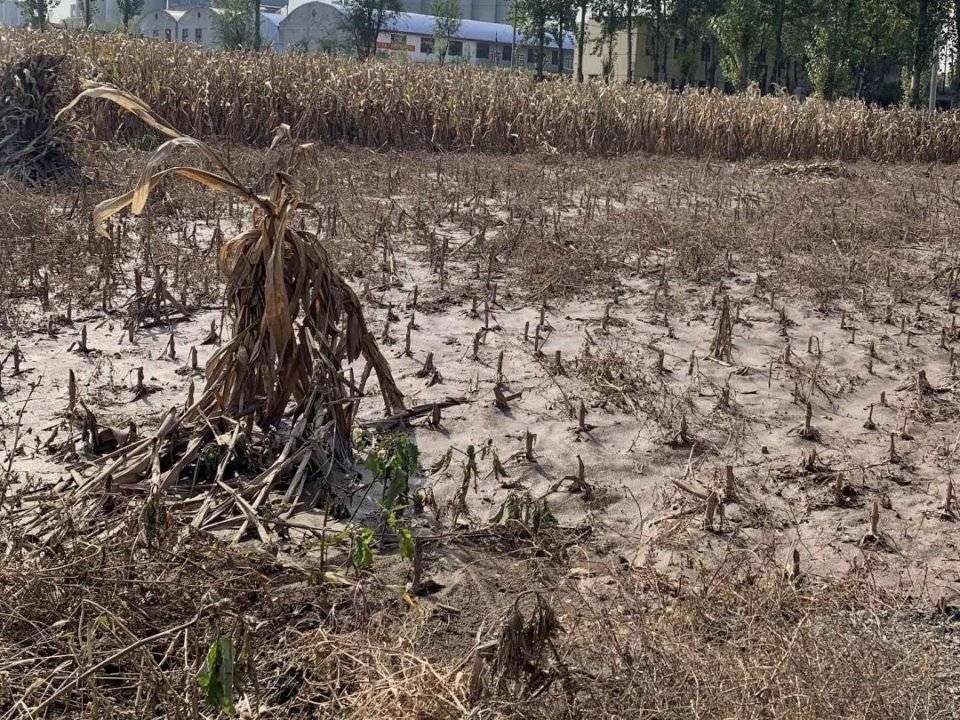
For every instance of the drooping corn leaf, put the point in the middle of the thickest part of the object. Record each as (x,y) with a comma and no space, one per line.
(217,676)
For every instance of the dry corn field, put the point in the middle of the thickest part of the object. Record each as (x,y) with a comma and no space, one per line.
(242,98)
(324,431)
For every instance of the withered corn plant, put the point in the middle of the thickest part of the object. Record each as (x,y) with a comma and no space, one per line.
(374,104)
(297,325)
(33,149)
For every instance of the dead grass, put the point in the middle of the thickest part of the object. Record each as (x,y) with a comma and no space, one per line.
(739,640)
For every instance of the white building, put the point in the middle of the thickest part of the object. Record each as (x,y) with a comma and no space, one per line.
(10,15)
(198,25)
(104,15)
(319,26)
(476,42)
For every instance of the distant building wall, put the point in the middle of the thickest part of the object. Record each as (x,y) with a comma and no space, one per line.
(420,47)
(10,15)
(160,25)
(196,25)
(318,26)
(104,15)
(312,27)
(703,69)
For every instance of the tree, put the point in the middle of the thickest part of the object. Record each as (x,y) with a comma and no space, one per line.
(234,22)
(928,19)
(583,7)
(609,14)
(37,12)
(364,21)
(446,25)
(656,11)
(531,19)
(257,38)
(88,7)
(690,21)
(956,46)
(833,47)
(740,33)
(129,9)
(561,17)
(881,47)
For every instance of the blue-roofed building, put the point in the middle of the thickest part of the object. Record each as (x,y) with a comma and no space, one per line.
(317,25)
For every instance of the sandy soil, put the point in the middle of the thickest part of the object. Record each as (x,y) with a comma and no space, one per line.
(645,480)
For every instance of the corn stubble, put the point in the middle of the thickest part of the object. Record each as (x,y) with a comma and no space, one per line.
(646,642)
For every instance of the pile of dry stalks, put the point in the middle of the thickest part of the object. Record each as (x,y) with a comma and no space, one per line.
(33,149)
(297,326)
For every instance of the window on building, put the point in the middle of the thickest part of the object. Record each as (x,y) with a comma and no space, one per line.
(506,53)
(398,41)
(198,15)
(185,34)
(426,45)
(483,51)
(455,49)
(168,34)
(198,35)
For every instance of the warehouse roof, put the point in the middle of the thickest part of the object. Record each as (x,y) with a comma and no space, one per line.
(273,18)
(469,29)
(418,24)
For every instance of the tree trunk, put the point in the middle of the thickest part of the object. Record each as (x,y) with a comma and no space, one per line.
(257,40)
(956,49)
(541,50)
(560,31)
(773,68)
(582,38)
(744,75)
(629,41)
(919,52)
(660,41)
(611,39)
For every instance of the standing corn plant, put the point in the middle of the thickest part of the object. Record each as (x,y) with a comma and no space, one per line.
(297,325)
